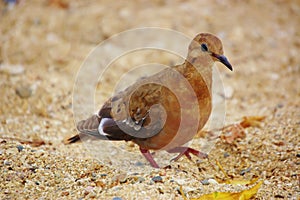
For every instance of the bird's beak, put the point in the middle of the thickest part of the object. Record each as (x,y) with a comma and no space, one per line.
(223,60)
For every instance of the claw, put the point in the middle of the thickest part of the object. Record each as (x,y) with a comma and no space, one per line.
(186,151)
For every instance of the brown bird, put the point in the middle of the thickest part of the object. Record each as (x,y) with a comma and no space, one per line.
(163,111)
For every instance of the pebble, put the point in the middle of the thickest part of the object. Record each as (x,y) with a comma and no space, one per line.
(39,153)
(24,91)
(157,179)
(36,128)
(226,155)
(117,198)
(140,179)
(6,162)
(88,190)
(122,178)
(266,182)
(204,182)
(12,69)
(212,181)
(20,148)
(244,171)
(139,164)
(94,176)
(180,181)
(298,155)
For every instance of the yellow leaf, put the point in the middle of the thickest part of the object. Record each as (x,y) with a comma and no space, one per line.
(243,195)
(182,193)
(221,168)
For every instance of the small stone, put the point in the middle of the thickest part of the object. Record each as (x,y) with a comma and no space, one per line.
(140,179)
(92,184)
(244,171)
(266,182)
(12,69)
(280,105)
(157,179)
(180,181)
(39,153)
(36,128)
(6,162)
(94,176)
(204,182)
(65,193)
(20,148)
(298,155)
(139,164)
(24,92)
(226,155)
(122,178)
(117,198)
(279,196)
(212,181)
(274,76)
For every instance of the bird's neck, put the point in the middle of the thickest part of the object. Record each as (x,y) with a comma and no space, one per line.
(199,66)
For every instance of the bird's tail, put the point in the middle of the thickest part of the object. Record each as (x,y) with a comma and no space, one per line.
(72,139)
(88,127)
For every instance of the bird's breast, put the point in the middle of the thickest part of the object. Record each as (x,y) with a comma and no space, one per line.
(188,107)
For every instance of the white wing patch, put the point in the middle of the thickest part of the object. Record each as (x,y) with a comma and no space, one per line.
(101,125)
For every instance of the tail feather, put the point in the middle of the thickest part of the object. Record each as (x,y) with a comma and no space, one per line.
(88,127)
(73,139)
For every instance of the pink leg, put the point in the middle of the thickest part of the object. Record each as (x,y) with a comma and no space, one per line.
(149,157)
(186,151)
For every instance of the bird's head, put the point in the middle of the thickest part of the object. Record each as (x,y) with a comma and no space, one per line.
(210,45)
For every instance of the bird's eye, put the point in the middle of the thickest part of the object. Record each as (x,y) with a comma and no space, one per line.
(204,47)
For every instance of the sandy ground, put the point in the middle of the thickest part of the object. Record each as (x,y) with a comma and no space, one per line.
(43,43)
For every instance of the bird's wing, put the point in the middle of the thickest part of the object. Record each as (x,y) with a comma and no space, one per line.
(130,114)
(137,111)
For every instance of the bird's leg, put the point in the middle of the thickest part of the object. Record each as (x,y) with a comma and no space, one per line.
(186,151)
(146,153)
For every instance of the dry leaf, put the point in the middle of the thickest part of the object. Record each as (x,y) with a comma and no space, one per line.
(243,195)
(222,169)
(35,142)
(182,193)
(232,132)
(252,121)
(59,3)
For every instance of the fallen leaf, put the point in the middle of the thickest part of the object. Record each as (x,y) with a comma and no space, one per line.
(204,133)
(233,132)
(182,193)
(252,121)
(59,3)
(243,195)
(36,142)
(222,169)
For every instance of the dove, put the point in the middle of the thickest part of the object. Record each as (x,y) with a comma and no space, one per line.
(163,111)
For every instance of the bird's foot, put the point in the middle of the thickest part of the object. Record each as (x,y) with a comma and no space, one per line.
(146,153)
(186,151)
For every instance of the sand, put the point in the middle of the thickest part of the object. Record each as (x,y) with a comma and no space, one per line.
(44,43)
